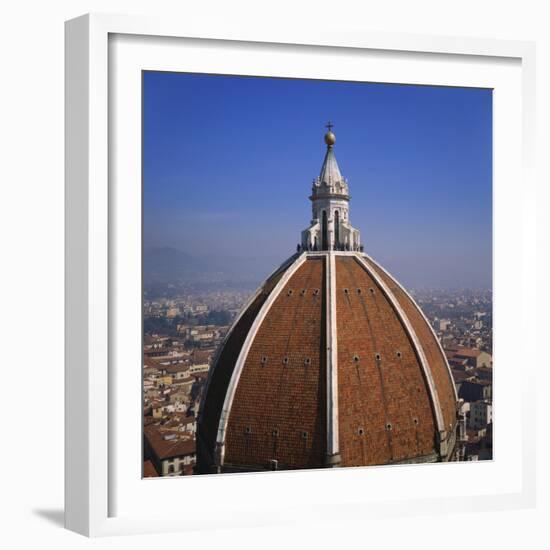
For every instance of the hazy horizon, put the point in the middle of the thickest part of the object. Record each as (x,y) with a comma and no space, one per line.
(229,161)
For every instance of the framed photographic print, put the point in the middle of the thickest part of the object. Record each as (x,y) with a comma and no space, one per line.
(296,267)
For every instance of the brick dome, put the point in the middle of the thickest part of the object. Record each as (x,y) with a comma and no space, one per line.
(330,363)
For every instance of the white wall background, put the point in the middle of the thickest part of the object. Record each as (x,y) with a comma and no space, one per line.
(31,288)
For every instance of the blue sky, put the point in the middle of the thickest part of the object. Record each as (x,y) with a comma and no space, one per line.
(228,164)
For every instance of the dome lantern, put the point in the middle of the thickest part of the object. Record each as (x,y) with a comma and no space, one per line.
(330,228)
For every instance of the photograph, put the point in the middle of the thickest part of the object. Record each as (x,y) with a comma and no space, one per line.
(276,250)
(317,274)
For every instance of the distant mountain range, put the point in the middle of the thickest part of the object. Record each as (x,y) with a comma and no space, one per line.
(167,265)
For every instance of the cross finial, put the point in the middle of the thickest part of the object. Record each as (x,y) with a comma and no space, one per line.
(330,138)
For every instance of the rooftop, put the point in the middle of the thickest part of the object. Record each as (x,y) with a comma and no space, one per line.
(149,470)
(167,448)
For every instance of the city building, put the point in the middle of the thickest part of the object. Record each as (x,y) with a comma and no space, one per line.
(481,414)
(330,363)
(442,324)
(472,358)
(170,454)
(475,390)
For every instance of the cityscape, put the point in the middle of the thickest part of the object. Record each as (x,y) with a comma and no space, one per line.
(184,325)
(330,361)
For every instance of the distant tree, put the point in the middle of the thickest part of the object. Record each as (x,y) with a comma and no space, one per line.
(219,318)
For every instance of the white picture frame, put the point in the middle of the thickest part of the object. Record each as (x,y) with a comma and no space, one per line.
(98,496)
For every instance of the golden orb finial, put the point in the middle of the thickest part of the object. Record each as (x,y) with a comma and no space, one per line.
(330,138)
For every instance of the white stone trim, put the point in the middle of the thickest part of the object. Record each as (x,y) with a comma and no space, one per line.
(246,305)
(416,342)
(237,371)
(425,319)
(333,445)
